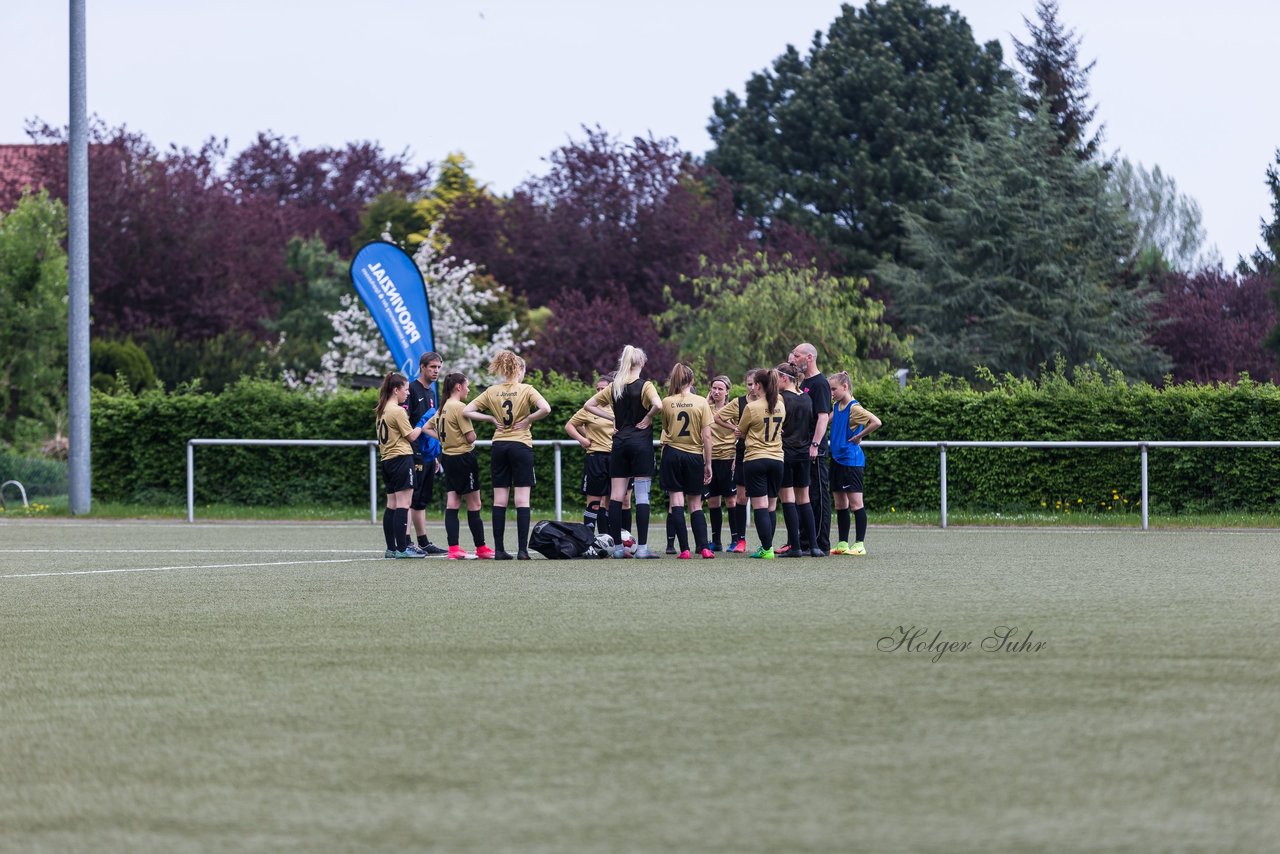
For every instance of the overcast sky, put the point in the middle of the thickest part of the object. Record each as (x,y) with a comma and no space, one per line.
(1186,86)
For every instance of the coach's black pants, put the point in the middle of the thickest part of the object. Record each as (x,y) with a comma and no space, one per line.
(820,498)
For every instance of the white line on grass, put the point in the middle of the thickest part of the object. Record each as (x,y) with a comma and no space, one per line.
(183,551)
(174,568)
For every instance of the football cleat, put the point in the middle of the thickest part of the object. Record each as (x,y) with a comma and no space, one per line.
(708,554)
(857,549)
(840,548)
(484,553)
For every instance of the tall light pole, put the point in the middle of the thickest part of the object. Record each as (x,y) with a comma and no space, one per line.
(78,471)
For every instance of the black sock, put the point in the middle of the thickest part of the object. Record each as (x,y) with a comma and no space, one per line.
(675,519)
(615,521)
(764,529)
(424,540)
(698,521)
(522,528)
(626,521)
(591,516)
(642,524)
(791,517)
(860,524)
(842,521)
(389,528)
(808,524)
(451,527)
(738,521)
(499,527)
(476,526)
(401,528)
(717,522)
(671,529)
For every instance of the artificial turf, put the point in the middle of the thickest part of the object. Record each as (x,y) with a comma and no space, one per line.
(278,687)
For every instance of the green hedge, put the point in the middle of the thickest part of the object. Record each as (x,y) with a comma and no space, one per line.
(139,445)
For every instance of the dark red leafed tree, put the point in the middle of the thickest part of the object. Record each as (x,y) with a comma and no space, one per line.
(1213,324)
(608,219)
(585,335)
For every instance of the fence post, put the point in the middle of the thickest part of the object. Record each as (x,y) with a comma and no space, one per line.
(191,482)
(1144,486)
(559,514)
(942,447)
(373,483)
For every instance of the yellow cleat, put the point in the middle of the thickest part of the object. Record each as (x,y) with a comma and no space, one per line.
(841,548)
(857,549)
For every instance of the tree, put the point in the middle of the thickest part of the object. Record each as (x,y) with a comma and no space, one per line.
(753,312)
(33,313)
(629,217)
(1055,81)
(1168,222)
(322,192)
(583,337)
(1213,325)
(831,142)
(1264,259)
(1022,260)
(302,325)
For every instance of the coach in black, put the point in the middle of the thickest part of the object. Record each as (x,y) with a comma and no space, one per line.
(814,384)
(422,400)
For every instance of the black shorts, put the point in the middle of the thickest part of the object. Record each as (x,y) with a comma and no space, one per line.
(595,474)
(740,468)
(461,473)
(397,473)
(795,474)
(511,464)
(722,482)
(681,472)
(632,456)
(764,478)
(424,478)
(846,478)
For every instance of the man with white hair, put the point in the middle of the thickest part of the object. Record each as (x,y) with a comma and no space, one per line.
(814,384)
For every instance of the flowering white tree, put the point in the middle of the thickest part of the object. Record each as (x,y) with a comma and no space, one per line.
(358,350)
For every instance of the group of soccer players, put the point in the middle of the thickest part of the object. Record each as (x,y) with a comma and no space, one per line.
(759,450)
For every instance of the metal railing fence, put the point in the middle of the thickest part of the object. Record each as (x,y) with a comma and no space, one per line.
(557,444)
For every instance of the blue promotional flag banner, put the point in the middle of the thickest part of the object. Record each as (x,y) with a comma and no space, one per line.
(391,286)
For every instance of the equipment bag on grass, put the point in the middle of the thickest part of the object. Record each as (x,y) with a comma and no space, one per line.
(562,540)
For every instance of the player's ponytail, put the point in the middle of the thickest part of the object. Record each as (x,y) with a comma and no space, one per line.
(507,365)
(680,379)
(451,382)
(768,381)
(390,383)
(790,371)
(632,359)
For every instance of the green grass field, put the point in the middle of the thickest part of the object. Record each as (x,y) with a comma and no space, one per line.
(279,687)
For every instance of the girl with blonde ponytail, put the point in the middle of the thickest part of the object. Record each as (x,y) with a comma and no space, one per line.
(511,406)
(631,403)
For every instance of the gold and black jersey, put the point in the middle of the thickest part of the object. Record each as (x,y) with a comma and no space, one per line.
(683,417)
(393,431)
(630,409)
(452,427)
(723,442)
(762,430)
(509,403)
(599,431)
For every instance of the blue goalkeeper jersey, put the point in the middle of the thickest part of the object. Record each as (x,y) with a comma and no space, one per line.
(847,422)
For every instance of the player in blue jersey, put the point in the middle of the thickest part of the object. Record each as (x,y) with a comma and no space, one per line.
(850,424)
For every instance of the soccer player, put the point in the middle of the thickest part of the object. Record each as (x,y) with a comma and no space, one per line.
(721,489)
(797,432)
(595,434)
(395,443)
(729,418)
(686,458)
(511,406)
(632,403)
(814,384)
(422,405)
(850,424)
(457,439)
(761,431)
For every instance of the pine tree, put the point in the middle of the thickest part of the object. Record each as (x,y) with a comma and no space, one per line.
(1055,80)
